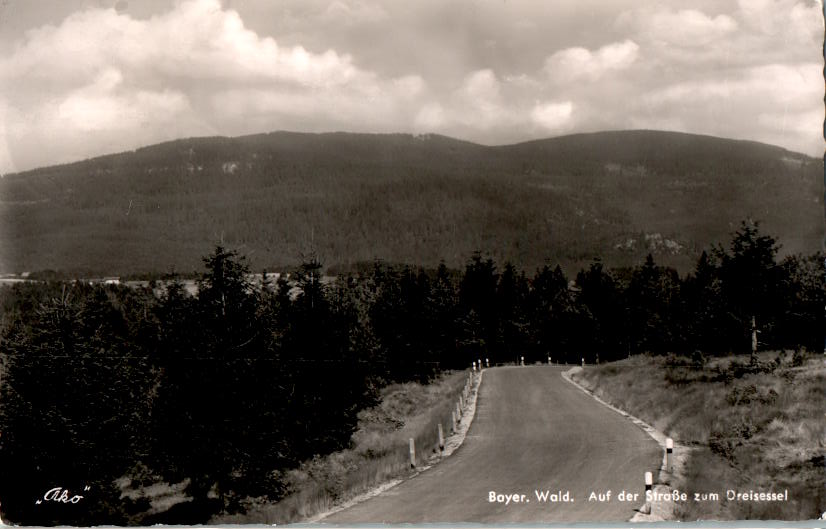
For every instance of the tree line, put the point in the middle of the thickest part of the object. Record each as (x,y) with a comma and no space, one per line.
(106,388)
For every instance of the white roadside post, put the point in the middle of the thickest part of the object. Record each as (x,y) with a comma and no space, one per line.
(453,420)
(441,440)
(412,454)
(669,457)
(461,403)
(649,483)
(522,359)
(583,361)
(549,359)
(479,363)
(473,366)
(487,362)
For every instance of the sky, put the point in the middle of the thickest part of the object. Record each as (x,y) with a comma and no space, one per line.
(81,78)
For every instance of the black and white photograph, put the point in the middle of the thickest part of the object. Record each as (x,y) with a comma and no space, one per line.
(348,262)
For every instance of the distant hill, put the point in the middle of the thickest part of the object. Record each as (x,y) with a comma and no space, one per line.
(416,199)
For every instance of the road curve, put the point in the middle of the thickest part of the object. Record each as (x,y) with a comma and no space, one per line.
(532,431)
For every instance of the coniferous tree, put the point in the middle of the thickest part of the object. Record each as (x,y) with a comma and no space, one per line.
(752,285)
(73,408)
(653,299)
(804,292)
(511,296)
(441,317)
(603,311)
(555,322)
(705,316)
(479,314)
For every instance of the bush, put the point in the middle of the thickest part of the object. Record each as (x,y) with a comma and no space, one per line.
(698,359)
(741,395)
(721,444)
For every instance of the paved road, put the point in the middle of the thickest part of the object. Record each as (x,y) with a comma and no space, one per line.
(532,431)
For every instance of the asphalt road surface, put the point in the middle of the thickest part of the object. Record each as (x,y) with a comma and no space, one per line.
(533,431)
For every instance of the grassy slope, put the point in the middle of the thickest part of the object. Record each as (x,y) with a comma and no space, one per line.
(751,430)
(379,452)
(356,197)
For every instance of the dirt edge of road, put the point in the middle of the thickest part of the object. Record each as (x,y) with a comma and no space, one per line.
(665,479)
(452,443)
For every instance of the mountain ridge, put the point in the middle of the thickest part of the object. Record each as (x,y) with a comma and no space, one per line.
(355,197)
(424,136)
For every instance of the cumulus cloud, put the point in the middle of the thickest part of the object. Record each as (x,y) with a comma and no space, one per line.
(100,80)
(580,64)
(749,72)
(99,106)
(104,71)
(480,94)
(197,39)
(553,116)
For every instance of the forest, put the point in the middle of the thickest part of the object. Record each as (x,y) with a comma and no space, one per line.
(102,386)
(418,200)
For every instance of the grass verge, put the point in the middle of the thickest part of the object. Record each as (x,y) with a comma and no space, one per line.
(752,426)
(379,453)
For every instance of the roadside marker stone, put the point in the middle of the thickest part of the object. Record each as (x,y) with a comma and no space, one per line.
(412,453)
(649,483)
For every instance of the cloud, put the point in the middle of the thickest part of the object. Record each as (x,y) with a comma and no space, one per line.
(354,13)
(771,85)
(773,103)
(99,106)
(409,86)
(754,32)
(479,100)
(430,118)
(6,162)
(579,64)
(689,27)
(553,116)
(196,65)
(100,80)
(773,17)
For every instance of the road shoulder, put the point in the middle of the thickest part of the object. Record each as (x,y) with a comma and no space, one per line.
(452,443)
(664,481)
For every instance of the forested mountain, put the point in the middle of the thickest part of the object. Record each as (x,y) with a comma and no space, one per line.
(351,198)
